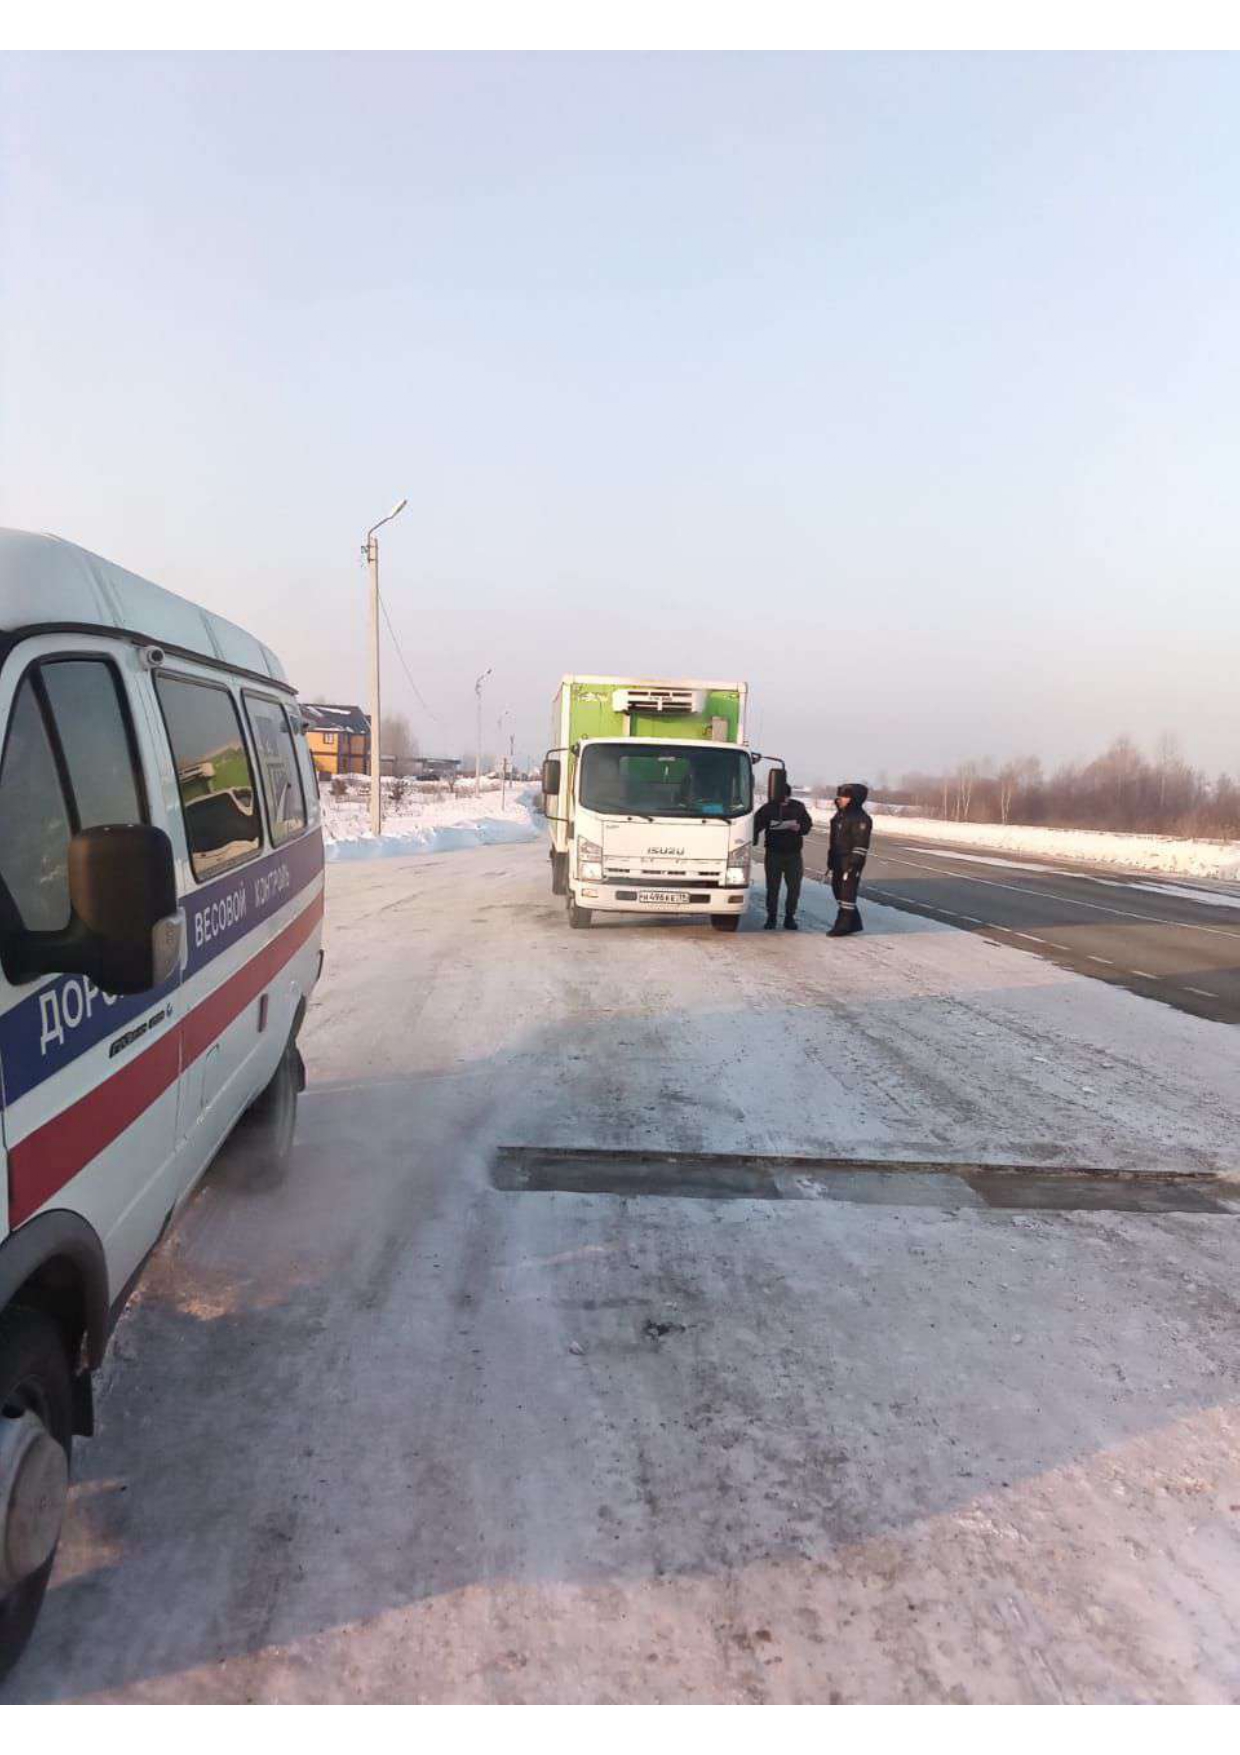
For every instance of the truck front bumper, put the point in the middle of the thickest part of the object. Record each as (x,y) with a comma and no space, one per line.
(621,897)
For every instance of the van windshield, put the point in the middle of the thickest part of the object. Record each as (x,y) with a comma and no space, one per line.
(666,780)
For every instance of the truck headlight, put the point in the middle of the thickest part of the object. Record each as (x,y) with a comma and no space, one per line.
(589,860)
(738,865)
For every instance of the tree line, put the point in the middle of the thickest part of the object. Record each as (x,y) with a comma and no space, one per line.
(1123,789)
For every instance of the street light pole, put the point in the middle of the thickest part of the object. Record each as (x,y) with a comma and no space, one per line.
(370,549)
(478,746)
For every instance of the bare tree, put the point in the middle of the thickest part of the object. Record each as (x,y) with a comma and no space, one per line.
(396,736)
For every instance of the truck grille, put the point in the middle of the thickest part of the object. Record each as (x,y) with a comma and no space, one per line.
(663,868)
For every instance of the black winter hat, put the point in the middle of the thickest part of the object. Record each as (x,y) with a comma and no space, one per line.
(853,789)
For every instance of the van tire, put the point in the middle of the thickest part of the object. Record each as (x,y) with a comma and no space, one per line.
(725,922)
(559,874)
(263,1138)
(35,1377)
(579,917)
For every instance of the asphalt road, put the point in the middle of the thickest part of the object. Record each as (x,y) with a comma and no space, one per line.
(1166,940)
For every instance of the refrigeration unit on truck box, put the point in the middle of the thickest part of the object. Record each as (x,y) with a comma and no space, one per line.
(649,794)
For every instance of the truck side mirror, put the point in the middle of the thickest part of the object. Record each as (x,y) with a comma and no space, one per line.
(124,931)
(776,785)
(551,777)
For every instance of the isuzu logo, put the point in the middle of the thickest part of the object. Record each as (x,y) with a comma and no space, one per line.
(672,850)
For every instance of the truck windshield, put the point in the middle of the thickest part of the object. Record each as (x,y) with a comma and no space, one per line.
(666,780)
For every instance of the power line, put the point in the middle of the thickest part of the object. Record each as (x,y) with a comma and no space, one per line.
(404,665)
(404,662)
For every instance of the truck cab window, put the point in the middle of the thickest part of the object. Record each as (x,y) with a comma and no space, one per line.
(216,783)
(277,766)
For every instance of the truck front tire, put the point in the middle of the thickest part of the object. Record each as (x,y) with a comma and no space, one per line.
(725,922)
(578,916)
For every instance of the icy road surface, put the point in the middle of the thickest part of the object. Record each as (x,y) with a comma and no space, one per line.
(383,1432)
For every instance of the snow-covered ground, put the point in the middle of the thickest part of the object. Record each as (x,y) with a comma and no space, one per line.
(382,1431)
(1215,860)
(424,821)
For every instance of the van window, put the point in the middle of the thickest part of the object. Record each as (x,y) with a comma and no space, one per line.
(277,767)
(71,709)
(98,755)
(216,782)
(34,822)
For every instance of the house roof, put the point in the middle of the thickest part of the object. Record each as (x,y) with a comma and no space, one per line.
(46,582)
(327,716)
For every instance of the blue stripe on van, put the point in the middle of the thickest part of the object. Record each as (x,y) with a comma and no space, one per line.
(216,917)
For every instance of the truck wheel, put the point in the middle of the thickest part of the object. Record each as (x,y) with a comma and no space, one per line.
(578,916)
(725,922)
(559,874)
(36,1437)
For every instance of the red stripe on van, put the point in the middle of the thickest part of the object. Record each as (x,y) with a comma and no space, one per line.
(43,1162)
(212,1015)
(53,1154)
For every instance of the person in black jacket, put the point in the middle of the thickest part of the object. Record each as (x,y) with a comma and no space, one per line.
(850,842)
(787,823)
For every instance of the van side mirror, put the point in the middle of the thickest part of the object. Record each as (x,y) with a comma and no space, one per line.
(551,777)
(124,931)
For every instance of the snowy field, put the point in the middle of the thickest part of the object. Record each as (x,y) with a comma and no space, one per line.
(1214,860)
(382,1431)
(427,822)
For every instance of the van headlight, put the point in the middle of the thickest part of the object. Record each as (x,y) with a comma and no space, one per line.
(738,865)
(589,860)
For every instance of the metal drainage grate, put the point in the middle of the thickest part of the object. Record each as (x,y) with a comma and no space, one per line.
(860,1181)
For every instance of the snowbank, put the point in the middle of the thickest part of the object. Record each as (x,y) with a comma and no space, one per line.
(1216,860)
(418,823)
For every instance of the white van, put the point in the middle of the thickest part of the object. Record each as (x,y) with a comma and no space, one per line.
(161,905)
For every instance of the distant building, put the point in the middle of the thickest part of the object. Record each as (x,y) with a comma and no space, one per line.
(339,737)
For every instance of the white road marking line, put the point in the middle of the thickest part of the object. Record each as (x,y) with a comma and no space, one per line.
(973,920)
(1203,991)
(1076,902)
(1031,936)
(1145,975)
(1056,946)
(1105,960)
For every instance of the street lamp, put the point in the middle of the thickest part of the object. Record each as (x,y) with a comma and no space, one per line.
(370,548)
(478,746)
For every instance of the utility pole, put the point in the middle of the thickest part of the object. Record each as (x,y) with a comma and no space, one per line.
(478,745)
(503,759)
(370,549)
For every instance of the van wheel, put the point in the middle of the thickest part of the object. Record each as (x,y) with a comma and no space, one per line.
(578,916)
(35,1390)
(559,874)
(725,922)
(262,1140)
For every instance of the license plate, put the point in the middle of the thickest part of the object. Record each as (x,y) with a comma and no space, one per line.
(659,898)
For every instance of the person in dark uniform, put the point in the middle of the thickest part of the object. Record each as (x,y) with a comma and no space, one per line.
(786,823)
(850,842)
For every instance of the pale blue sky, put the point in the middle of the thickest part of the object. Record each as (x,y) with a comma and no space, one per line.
(906,386)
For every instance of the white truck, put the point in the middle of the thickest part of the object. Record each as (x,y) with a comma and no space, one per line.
(649,795)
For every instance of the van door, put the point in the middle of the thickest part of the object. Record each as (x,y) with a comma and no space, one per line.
(220,842)
(89,1078)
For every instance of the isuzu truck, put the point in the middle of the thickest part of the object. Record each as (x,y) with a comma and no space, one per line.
(649,794)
